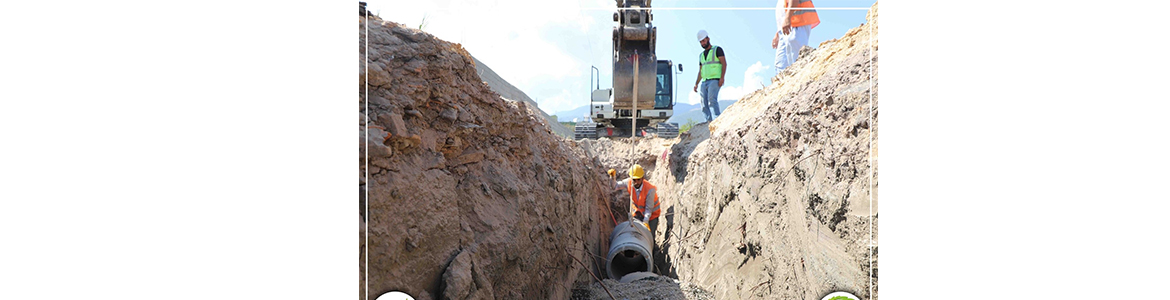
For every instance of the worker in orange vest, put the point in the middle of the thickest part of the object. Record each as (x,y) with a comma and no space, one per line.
(795,19)
(643,196)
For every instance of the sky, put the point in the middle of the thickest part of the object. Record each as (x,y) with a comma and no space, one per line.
(547,50)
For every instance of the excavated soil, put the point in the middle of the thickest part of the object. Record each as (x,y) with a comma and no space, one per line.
(472,196)
(777,198)
(658,287)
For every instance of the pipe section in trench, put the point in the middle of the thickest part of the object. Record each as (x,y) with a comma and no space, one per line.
(629,250)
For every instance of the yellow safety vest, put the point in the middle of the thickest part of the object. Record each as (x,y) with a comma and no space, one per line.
(710,68)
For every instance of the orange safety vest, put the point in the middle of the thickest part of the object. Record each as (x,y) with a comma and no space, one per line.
(804,16)
(639,199)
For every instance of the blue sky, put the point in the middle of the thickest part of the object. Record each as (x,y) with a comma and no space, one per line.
(547,50)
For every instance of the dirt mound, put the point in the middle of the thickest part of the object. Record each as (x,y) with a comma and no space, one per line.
(773,199)
(470,196)
(654,288)
(777,201)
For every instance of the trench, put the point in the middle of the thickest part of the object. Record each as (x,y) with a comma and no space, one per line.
(508,199)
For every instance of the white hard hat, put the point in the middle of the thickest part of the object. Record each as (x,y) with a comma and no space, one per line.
(702,34)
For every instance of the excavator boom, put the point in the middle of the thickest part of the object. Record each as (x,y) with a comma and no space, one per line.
(634,35)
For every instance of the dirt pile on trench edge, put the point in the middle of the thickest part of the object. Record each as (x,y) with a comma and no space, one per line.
(470,195)
(776,202)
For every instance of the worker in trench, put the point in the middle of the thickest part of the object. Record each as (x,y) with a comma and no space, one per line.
(643,197)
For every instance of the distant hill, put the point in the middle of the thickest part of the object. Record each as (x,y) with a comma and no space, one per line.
(694,112)
(682,111)
(510,92)
(568,115)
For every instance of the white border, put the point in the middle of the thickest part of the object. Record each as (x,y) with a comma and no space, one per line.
(366,160)
(872,126)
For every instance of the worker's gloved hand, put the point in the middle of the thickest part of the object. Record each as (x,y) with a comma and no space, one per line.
(639,216)
(611,172)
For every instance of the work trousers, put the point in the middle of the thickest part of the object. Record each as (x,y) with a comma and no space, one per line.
(709,93)
(654,244)
(788,49)
(653,227)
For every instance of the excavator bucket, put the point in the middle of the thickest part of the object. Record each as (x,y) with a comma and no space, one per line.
(634,36)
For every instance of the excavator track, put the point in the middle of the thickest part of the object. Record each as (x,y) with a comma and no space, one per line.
(667,130)
(585,131)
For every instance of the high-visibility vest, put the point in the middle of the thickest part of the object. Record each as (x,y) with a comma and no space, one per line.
(804,16)
(645,201)
(710,68)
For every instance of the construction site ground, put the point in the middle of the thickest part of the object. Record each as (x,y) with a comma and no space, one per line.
(777,198)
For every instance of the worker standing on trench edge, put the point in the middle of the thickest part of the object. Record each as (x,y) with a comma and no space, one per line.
(712,66)
(792,29)
(643,197)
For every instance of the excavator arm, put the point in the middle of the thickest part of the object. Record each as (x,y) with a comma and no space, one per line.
(633,36)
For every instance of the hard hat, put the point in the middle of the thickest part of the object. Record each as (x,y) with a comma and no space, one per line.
(702,34)
(636,172)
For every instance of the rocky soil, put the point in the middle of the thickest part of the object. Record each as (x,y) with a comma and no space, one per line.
(511,93)
(470,195)
(776,202)
(654,288)
(777,198)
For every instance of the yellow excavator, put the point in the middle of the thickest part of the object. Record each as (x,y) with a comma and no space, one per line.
(642,97)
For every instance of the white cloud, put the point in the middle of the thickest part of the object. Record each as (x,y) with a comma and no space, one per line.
(560,102)
(753,79)
(544,50)
(754,76)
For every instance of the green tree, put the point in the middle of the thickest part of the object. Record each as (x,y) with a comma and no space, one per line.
(687,126)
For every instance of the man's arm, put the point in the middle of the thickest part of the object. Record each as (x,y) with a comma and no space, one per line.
(613,181)
(722,61)
(785,23)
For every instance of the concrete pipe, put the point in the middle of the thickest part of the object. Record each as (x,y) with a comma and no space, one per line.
(629,250)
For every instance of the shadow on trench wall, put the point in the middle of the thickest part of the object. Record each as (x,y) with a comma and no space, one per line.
(663,264)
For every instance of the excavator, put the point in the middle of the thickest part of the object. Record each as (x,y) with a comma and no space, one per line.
(642,97)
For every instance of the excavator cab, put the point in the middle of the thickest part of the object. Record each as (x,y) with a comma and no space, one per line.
(662,95)
(664,100)
(606,119)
